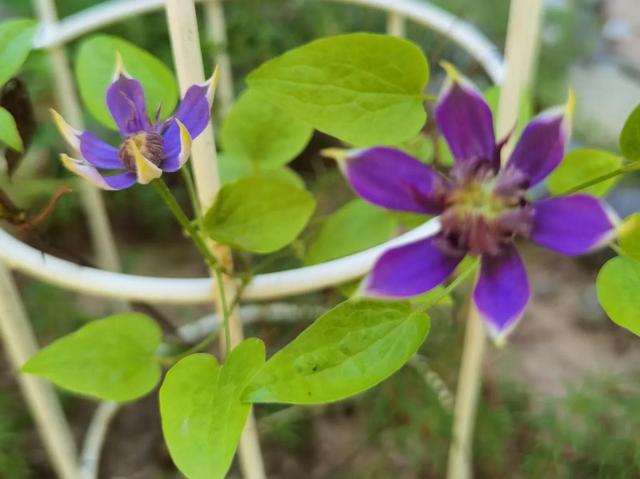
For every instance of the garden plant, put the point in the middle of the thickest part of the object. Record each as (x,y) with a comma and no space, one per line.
(459,192)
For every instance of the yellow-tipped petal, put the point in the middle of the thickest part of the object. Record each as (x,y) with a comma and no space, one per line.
(120,69)
(85,170)
(145,170)
(185,143)
(452,72)
(212,84)
(570,106)
(337,154)
(70,134)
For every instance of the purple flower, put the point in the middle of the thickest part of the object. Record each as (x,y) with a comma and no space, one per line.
(483,206)
(148,148)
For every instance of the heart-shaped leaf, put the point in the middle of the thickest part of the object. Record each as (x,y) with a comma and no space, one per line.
(259,214)
(262,133)
(95,66)
(346,351)
(363,88)
(202,412)
(16,40)
(618,287)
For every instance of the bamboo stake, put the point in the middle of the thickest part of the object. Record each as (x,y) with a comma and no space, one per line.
(183,30)
(522,38)
(396,24)
(20,345)
(217,33)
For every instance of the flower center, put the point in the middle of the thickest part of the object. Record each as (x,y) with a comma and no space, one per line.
(481,215)
(150,145)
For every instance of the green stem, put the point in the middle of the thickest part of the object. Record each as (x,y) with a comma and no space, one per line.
(224,310)
(599,179)
(176,209)
(208,255)
(191,191)
(453,285)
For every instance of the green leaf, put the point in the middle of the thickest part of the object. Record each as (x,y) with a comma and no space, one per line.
(232,169)
(259,214)
(202,412)
(444,152)
(349,349)
(111,358)
(629,236)
(630,136)
(581,166)
(362,88)
(9,131)
(16,40)
(95,67)
(259,131)
(420,147)
(618,288)
(342,234)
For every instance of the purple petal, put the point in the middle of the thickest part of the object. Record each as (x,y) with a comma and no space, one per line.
(541,146)
(125,99)
(87,171)
(194,110)
(572,225)
(177,147)
(392,179)
(99,153)
(502,291)
(409,270)
(465,120)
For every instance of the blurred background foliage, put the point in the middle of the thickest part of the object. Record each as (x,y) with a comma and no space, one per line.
(401,428)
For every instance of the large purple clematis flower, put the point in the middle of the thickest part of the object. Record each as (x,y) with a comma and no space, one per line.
(148,148)
(483,206)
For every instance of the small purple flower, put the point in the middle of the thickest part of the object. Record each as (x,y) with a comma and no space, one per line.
(483,206)
(148,148)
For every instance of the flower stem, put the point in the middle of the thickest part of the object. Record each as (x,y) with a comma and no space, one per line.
(164,191)
(454,284)
(213,262)
(599,179)
(191,191)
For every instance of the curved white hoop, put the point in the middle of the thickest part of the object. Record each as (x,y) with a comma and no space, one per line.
(24,258)
(21,257)
(437,19)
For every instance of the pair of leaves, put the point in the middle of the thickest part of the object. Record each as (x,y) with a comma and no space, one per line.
(351,348)
(204,405)
(16,40)
(95,66)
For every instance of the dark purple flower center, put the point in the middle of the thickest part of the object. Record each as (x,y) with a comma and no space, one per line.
(150,145)
(484,211)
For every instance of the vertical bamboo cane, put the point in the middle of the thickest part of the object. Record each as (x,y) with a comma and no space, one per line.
(217,33)
(396,24)
(183,30)
(522,39)
(20,345)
